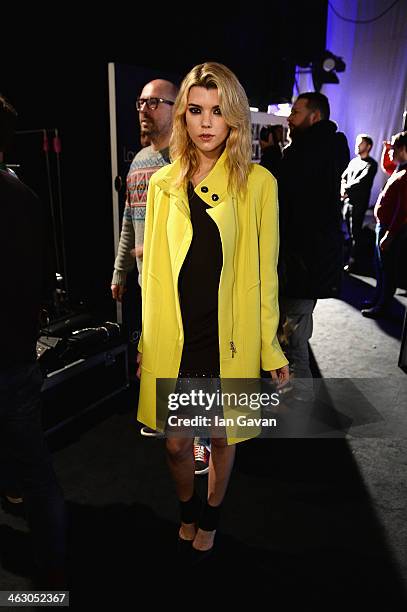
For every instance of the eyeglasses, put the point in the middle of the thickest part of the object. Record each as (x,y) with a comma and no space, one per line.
(152,103)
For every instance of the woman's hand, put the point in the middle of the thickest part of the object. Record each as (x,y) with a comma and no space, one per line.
(139,359)
(280,376)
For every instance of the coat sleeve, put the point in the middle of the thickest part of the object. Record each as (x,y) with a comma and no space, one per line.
(148,231)
(272,357)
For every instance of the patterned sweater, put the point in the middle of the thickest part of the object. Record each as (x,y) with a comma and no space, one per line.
(146,162)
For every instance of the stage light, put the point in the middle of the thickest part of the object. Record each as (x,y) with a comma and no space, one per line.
(324,69)
(328,64)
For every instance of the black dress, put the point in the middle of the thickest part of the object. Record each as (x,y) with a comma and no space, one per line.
(198,286)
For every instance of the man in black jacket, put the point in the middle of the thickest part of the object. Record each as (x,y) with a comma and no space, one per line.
(22,446)
(357,181)
(309,180)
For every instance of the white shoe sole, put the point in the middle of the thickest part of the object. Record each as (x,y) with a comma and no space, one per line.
(202,472)
(150,434)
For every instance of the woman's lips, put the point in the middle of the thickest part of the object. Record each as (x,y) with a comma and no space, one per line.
(206,137)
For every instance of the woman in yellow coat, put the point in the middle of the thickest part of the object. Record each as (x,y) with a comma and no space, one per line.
(210,288)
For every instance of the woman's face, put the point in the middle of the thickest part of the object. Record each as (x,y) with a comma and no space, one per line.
(206,126)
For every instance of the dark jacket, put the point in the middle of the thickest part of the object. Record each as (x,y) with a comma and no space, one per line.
(271,158)
(24,270)
(309,180)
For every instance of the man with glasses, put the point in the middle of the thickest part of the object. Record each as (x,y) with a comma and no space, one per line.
(154,106)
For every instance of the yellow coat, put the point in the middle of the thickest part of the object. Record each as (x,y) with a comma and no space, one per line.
(248,287)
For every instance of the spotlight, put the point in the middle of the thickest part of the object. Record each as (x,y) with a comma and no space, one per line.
(324,69)
(328,64)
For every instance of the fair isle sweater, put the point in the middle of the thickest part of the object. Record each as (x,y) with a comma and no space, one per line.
(146,162)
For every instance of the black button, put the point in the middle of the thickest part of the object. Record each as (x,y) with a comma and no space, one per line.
(215,197)
(204,189)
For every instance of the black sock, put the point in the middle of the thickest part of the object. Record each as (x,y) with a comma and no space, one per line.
(189,510)
(209,519)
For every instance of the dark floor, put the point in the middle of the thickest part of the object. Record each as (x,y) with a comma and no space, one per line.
(305,521)
(298,523)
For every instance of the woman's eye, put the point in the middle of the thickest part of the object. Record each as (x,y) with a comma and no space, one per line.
(217,111)
(194,111)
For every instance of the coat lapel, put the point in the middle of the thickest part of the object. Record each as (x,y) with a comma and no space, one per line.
(213,191)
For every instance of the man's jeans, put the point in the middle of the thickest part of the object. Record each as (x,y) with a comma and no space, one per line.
(354,216)
(300,325)
(24,459)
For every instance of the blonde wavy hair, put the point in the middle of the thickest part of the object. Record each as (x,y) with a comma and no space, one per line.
(235,110)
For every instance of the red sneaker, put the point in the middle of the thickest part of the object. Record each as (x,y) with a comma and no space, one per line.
(201,456)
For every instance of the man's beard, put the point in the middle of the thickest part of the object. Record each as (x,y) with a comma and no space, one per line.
(293,133)
(297,130)
(150,131)
(149,128)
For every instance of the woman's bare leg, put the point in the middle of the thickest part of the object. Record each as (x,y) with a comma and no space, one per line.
(220,468)
(180,459)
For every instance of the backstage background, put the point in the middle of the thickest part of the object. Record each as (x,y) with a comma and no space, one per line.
(54,71)
(56,76)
